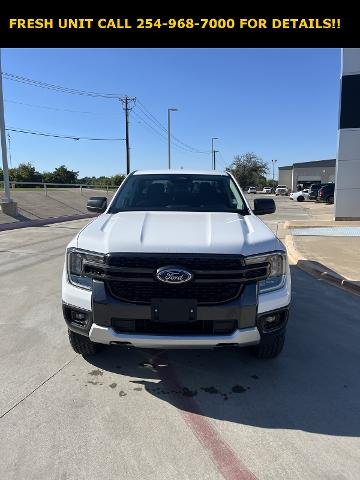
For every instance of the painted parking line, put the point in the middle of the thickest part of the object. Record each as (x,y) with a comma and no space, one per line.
(221,454)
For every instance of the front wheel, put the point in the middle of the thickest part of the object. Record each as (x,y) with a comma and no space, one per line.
(300,199)
(269,346)
(83,345)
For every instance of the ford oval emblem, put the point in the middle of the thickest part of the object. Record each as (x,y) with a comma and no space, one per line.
(173,274)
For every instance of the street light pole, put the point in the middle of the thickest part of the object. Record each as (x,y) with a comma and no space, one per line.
(215,152)
(212,152)
(273,165)
(7,198)
(169,135)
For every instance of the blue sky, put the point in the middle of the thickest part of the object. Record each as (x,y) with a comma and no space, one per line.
(280,103)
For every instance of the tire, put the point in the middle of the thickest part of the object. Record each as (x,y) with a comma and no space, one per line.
(300,199)
(330,199)
(83,345)
(270,347)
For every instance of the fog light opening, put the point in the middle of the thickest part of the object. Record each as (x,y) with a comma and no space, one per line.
(79,319)
(78,315)
(272,321)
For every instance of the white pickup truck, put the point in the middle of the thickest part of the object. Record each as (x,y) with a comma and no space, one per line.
(178,259)
(281,190)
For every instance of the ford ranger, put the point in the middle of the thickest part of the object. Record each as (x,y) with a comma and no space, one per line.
(178,259)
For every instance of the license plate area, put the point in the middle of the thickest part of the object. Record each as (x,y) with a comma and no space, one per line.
(175,310)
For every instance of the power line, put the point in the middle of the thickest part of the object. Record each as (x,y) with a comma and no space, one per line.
(55,135)
(145,111)
(152,117)
(63,89)
(55,108)
(58,88)
(148,125)
(164,138)
(222,159)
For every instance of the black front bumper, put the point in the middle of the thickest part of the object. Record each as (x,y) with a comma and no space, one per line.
(123,317)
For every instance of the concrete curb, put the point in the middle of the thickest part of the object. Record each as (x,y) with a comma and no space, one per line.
(317,269)
(289,224)
(43,221)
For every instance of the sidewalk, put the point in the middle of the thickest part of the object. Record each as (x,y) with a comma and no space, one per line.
(335,259)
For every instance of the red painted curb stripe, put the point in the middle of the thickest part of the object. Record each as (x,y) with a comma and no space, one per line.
(222,455)
(43,221)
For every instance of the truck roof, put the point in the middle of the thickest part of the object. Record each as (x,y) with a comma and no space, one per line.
(179,172)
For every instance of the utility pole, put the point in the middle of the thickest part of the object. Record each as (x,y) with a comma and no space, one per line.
(126,102)
(212,152)
(127,136)
(7,205)
(169,135)
(273,165)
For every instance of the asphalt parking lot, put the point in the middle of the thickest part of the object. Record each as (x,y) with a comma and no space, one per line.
(179,414)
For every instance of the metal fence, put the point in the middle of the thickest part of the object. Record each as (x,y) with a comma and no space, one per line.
(47,186)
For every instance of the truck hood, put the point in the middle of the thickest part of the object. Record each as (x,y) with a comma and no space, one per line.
(178,232)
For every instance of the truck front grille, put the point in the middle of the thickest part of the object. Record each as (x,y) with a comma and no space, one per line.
(198,262)
(216,278)
(206,327)
(204,293)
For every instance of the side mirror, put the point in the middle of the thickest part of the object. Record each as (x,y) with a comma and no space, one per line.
(264,206)
(97,204)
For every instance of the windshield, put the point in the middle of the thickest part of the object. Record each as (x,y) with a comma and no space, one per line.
(177,192)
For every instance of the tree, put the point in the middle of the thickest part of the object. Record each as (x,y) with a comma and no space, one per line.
(271,183)
(60,175)
(249,169)
(24,172)
(117,179)
(262,182)
(85,180)
(103,180)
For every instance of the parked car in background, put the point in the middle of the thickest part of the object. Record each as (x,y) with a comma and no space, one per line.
(300,196)
(281,190)
(326,193)
(251,190)
(266,190)
(314,190)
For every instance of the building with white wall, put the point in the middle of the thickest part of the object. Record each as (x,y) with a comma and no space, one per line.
(306,173)
(347,185)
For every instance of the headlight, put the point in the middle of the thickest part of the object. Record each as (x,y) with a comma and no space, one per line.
(277,270)
(75,266)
